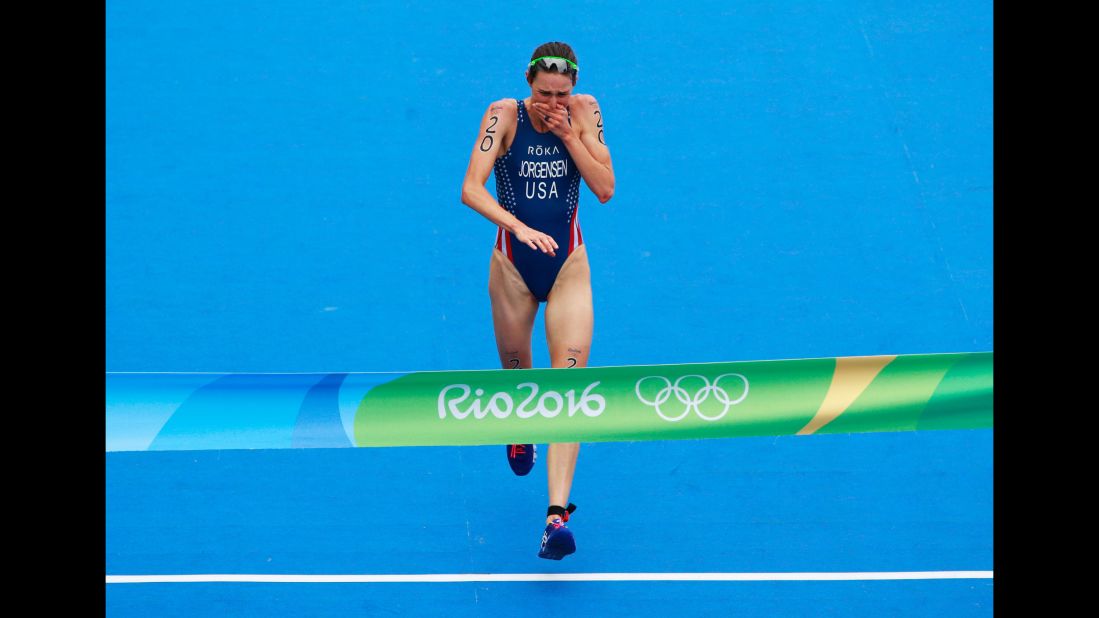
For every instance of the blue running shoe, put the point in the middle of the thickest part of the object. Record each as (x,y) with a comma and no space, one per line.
(521,458)
(557,541)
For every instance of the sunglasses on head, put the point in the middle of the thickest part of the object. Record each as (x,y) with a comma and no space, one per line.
(561,65)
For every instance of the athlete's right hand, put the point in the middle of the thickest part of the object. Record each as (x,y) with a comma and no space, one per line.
(536,240)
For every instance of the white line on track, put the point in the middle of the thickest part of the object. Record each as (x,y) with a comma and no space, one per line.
(540,577)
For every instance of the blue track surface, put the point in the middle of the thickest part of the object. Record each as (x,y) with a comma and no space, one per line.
(793,181)
(951,598)
(917,501)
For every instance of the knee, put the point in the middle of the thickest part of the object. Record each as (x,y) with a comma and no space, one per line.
(514,360)
(574,356)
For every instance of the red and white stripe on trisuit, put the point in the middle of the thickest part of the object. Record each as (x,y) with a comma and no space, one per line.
(576,238)
(503,242)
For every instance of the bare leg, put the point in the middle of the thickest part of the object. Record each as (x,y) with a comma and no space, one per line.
(513,311)
(569,325)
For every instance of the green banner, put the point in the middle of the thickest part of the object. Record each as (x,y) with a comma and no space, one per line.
(666,402)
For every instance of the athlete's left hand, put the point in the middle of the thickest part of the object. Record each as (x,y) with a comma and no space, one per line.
(556,118)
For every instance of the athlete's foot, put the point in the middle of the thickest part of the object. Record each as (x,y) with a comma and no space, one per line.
(521,458)
(557,541)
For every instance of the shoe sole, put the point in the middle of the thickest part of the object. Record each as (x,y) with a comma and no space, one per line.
(555,556)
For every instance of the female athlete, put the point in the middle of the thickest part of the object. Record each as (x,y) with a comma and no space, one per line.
(540,147)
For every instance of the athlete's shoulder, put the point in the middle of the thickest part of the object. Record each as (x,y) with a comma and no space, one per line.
(504,108)
(585,108)
(583,101)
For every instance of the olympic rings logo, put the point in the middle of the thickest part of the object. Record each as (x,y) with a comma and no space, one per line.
(691,402)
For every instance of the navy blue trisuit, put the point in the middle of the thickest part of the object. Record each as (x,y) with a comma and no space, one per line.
(537,181)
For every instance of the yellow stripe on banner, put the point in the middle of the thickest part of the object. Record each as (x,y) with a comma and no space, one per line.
(851,378)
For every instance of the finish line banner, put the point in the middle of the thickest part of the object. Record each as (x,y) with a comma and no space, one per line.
(194,411)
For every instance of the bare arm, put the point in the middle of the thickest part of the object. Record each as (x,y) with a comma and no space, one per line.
(586,144)
(499,121)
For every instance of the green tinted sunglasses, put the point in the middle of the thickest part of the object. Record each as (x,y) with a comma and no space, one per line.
(561,65)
